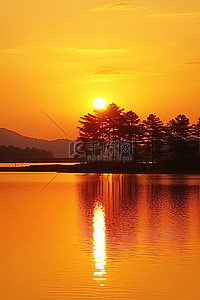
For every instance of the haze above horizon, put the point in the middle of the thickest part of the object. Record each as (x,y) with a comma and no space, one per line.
(59,56)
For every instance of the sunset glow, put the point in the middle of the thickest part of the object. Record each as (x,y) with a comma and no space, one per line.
(99,103)
(60,55)
(100,149)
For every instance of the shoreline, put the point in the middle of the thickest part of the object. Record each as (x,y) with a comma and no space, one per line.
(98,169)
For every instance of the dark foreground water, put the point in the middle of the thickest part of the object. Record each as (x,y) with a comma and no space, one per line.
(99,237)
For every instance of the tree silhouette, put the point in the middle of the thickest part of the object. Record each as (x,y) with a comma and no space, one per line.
(16,153)
(152,140)
(154,137)
(195,133)
(90,128)
(114,118)
(132,130)
(182,147)
(195,130)
(179,127)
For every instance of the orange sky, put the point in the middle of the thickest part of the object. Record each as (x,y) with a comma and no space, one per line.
(59,55)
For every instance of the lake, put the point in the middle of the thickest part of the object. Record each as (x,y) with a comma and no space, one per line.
(90,236)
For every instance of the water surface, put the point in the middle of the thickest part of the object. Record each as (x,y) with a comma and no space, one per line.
(99,236)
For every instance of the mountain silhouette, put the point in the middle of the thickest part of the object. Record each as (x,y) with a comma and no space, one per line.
(59,148)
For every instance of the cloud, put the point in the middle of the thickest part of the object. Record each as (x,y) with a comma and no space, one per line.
(108,74)
(117,5)
(194,63)
(105,72)
(96,51)
(45,49)
(10,51)
(176,14)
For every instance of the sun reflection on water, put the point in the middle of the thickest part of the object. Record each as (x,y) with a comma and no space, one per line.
(99,243)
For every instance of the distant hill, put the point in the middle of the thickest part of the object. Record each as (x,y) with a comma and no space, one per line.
(59,148)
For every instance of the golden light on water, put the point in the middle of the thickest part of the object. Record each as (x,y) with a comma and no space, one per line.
(99,243)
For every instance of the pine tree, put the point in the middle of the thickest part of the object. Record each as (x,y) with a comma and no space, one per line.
(154,137)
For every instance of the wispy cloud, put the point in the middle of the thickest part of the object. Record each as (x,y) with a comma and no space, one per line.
(191,14)
(105,72)
(49,49)
(194,63)
(10,51)
(94,50)
(109,74)
(117,5)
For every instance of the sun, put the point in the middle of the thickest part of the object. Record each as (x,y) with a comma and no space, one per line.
(99,103)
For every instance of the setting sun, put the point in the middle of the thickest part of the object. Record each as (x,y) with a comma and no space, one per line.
(99,103)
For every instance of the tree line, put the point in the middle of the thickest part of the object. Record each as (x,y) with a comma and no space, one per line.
(10,152)
(153,141)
